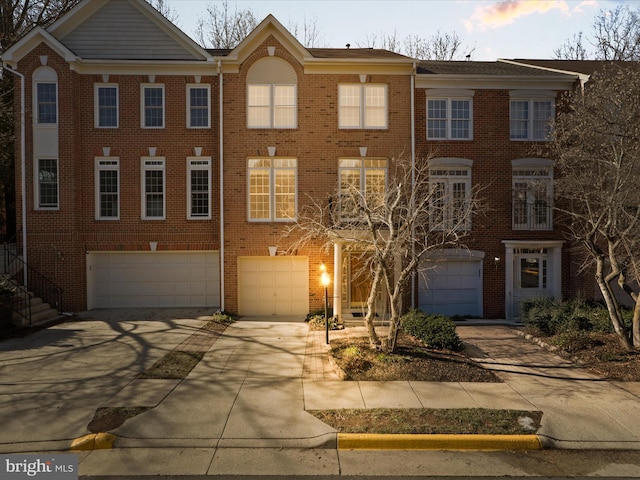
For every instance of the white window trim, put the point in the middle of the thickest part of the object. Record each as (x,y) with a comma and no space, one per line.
(533,164)
(143,87)
(36,181)
(203,86)
(531,96)
(363,176)
(198,163)
(96,104)
(452,163)
(272,106)
(363,108)
(449,118)
(272,192)
(149,164)
(106,164)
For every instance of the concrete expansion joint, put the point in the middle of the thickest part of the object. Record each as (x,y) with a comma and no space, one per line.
(93,441)
(355,441)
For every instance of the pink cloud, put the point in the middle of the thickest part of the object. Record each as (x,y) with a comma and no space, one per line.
(497,14)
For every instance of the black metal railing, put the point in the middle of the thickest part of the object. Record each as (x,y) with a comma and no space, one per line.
(37,285)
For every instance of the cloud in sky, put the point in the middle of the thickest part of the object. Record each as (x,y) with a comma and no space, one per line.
(502,13)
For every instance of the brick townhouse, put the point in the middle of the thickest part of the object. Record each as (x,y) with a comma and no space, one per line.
(159,173)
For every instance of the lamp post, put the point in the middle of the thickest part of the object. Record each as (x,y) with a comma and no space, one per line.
(325,279)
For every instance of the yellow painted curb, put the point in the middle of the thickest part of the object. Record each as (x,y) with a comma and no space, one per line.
(93,441)
(371,441)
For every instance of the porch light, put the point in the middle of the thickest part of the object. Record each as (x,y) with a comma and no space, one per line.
(325,280)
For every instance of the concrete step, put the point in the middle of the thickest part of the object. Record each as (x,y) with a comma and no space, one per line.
(41,314)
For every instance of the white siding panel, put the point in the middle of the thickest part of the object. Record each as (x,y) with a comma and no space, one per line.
(120,31)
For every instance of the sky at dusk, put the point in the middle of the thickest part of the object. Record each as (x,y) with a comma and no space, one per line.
(494,29)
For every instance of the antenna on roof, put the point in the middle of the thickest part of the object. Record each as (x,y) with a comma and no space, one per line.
(348,46)
(468,57)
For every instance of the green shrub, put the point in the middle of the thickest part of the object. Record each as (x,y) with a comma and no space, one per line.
(553,317)
(316,322)
(435,331)
(224,317)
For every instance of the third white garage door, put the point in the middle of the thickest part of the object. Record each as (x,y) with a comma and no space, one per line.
(452,287)
(270,286)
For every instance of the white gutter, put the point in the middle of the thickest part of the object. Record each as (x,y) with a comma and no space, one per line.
(23,162)
(221,173)
(413,178)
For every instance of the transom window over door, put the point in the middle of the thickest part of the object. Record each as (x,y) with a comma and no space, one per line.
(272,94)
(272,189)
(532,194)
(362,106)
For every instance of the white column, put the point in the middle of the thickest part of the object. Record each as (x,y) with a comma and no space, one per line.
(337,280)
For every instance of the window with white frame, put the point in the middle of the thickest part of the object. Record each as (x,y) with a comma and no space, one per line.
(531,118)
(199,188)
(272,189)
(450,117)
(153,188)
(47,103)
(363,183)
(106,105)
(532,194)
(272,94)
(47,193)
(199,106)
(450,186)
(362,106)
(107,187)
(152,106)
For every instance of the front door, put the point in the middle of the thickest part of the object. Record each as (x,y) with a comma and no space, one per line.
(359,281)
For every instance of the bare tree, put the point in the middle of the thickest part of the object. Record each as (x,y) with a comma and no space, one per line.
(596,145)
(440,46)
(392,228)
(165,9)
(615,36)
(224,27)
(308,33)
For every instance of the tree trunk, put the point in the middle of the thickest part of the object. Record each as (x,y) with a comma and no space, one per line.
(635,327)
(612,306)
(374,341)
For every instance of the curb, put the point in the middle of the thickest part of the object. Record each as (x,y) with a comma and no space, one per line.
(355,441)
(93,441)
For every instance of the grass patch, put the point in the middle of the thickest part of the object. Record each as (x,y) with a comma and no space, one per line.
(431,421)
(174,365)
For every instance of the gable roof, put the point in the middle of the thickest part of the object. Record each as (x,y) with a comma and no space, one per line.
(112,30)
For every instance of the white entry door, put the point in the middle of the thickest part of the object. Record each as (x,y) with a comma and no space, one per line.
(270,286)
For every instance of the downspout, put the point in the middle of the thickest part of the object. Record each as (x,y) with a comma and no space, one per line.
(221,173)
(413,179)
(23,162)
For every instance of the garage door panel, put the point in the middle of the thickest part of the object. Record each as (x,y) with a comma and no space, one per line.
(273,285)
(452,288)
(148,279)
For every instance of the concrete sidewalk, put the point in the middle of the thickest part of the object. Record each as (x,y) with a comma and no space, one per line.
(252,389)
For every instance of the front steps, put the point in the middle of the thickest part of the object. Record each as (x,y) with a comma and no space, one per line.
(41,314)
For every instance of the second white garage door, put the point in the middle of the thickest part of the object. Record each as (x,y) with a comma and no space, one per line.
(270,286)
(153,279)
(451,288)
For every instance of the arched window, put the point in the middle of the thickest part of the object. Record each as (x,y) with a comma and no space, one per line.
(271,94)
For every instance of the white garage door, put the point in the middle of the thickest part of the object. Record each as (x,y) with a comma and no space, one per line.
(273,286)
(452,288)
(153,279)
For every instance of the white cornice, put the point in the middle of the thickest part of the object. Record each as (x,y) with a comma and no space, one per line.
(142,67)
(495,82)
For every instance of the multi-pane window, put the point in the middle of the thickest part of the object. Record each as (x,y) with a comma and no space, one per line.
(199,188)
(47,191)
(532,268)
(271,106)
(449,118)
(153,188)
(272,189)
(106,106)
(531,119)
(47,102)
(199,102)
(363,184)
(532,198)
(152,113)
(362,106)
(107,189)
(450,198)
